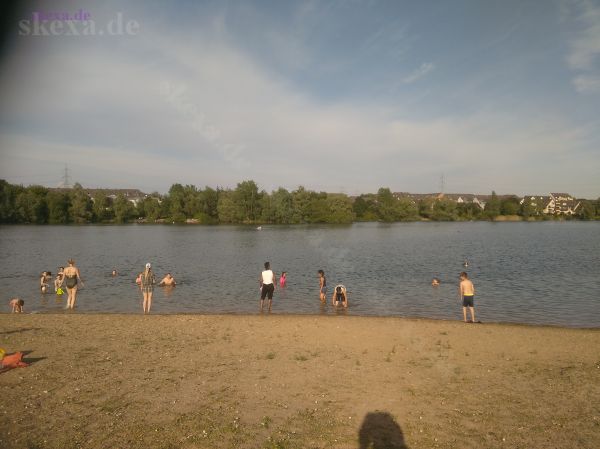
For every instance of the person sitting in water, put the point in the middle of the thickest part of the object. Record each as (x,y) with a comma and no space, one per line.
(114,273)
(59,279)
(435,282)
(340,296)
(17,305)
(168,281)
(283,279)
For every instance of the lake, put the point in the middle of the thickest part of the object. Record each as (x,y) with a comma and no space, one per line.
(541,273)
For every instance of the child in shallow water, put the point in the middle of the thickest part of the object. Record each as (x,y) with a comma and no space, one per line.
(282,279)
(17,305)
(44,281)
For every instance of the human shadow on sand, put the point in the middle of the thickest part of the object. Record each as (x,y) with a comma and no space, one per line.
(379,430)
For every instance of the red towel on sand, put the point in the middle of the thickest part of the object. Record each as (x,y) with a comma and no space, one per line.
(13,361)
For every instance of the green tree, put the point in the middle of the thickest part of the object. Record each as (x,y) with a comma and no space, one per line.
(226,207)
(149,207)
(425,207)
(124,209)
(492,207)
(58,207)
(81,206)
(468,211)
(300,205)
(317,210)
(407,209)
(385,205)
(31,205)
(176,202)
(192,201)
(444,210)
(247,202)
(339,209)
(390,208)
(365,208)
(102,208)
(586,210)
(282,206)
(8,200)
(210,200)
(510,206)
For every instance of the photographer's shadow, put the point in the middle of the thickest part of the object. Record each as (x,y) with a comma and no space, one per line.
(379,430)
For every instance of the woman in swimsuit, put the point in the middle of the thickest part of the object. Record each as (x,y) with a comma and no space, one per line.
(147,281)
(72,277)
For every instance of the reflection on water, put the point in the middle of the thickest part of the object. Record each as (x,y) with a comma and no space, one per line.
(523,272)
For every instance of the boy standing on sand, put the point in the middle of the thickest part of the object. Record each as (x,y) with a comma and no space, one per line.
(466,291)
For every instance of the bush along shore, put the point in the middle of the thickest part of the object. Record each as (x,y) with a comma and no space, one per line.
(247,204)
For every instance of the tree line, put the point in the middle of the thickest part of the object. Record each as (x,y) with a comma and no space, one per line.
(247,204)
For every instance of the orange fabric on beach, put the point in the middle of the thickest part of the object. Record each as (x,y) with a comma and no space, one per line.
(13,361)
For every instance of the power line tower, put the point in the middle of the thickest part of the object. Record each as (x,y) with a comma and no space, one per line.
(66,180)
(442,183)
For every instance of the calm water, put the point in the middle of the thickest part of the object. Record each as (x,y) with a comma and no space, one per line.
(523,272)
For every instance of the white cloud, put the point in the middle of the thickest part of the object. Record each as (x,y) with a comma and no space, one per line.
(584,53)
(419,73)
(585,47)
(204,112)
(587,84)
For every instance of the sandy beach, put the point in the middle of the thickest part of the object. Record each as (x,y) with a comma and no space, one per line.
(198,381)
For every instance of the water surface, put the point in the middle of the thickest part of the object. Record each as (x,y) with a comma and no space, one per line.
(543,273)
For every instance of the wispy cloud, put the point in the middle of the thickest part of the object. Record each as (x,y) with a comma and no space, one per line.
(587,84)
(196,105)
(584,46)
(419,73)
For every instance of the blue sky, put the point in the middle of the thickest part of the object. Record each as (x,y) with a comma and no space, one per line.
(337,96)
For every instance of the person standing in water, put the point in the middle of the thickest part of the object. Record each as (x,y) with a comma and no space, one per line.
(147,281)
(71,278)
(267,282)
(59,279)
(322,286)
(17,305)
(466,290)
(44,281)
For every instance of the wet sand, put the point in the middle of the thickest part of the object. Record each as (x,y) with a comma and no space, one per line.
(198,381)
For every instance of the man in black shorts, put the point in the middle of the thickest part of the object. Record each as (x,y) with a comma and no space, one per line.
(267,282)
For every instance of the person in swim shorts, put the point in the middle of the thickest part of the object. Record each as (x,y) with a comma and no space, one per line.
(340,296)
(267,282)
(466,290)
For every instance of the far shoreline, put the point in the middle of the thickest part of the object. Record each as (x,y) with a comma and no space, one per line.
(192,222)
